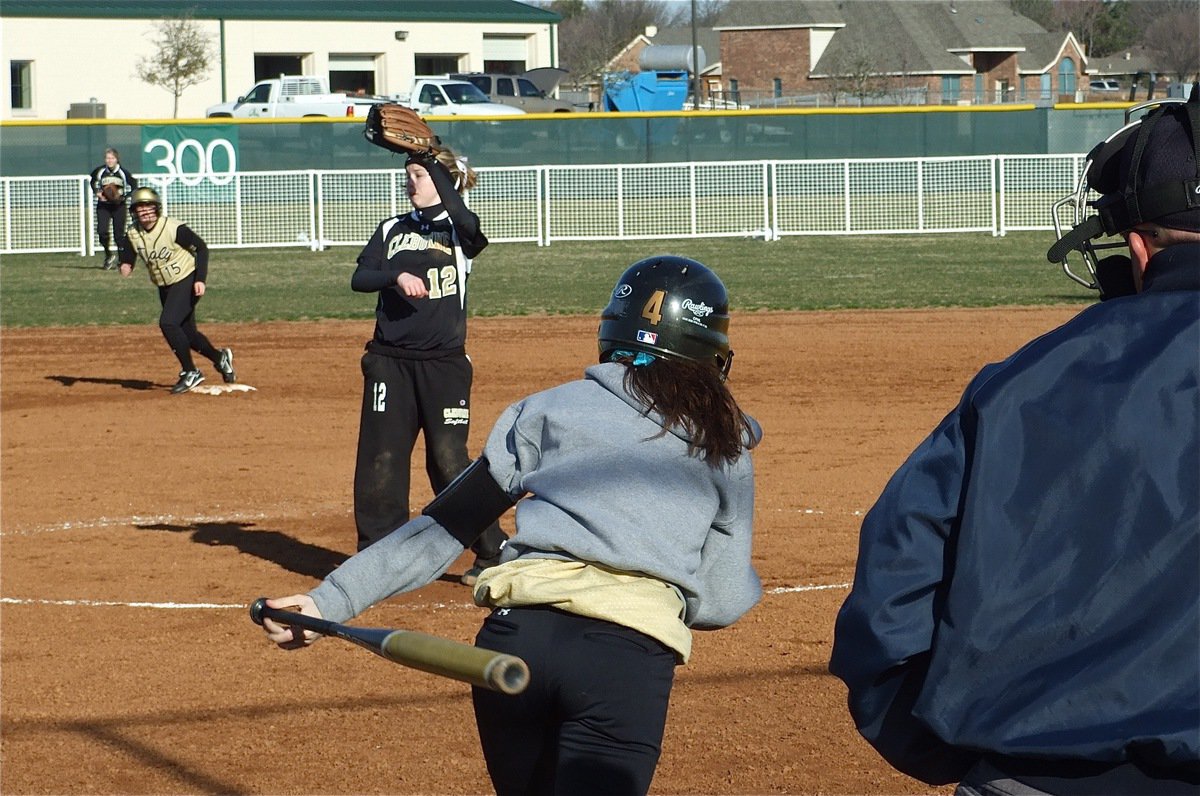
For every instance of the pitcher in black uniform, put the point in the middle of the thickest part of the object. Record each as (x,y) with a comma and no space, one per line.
(416,374)
(111,217)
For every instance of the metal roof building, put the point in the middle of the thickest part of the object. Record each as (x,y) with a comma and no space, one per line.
(66,53)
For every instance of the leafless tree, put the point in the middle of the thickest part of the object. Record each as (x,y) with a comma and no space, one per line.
(1172,37)
(591,33)
(182,52)
(708,12)
(1084,18)
(855,72)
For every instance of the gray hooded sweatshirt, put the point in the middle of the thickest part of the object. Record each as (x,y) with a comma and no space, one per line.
(601,484)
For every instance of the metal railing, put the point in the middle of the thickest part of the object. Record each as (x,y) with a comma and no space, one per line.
(544,204)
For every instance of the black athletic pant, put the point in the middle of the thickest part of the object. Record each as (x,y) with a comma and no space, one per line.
(591,721)
(402,397)
(108,218)
(178,323)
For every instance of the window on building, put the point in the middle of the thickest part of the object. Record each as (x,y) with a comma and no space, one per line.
(1066,76)
(20,75)
(271,65)
(504,67)
(352,74)
(505,53)
(951,85)
(433,64)
(777,87)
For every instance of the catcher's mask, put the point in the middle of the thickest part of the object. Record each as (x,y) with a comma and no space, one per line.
(1146,171)
(670,307)
(145,196)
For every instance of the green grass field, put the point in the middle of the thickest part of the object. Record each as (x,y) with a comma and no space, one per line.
(796,273)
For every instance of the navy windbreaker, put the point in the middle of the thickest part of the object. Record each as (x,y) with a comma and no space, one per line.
(1027,584)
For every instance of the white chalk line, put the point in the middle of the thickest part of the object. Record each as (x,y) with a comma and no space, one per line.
(810,587)
(106,522)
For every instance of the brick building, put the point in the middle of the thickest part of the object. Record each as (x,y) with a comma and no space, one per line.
(950,52)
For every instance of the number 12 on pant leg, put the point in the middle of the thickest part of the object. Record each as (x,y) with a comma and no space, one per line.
(379,396)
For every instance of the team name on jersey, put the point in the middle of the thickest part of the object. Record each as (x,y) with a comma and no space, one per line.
(412,241)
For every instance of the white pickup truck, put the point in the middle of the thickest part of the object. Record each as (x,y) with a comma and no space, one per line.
(293,96)
(440,96)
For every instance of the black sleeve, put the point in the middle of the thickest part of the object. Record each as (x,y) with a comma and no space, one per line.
(94,179)
(193,242)
(368,277)
(466,223)
(130,181)
(125,253)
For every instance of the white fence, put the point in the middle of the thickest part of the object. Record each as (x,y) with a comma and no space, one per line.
(543,204)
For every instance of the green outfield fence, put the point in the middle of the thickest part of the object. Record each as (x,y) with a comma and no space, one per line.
(542,204)
(38,148)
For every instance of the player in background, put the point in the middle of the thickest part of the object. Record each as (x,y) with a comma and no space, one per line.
(1025,610)
(177,260)
(416,373)
(111,186)
(633,527)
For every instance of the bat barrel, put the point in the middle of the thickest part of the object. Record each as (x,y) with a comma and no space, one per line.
(497,671)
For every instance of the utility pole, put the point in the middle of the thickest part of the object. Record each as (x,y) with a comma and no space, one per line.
(695,62)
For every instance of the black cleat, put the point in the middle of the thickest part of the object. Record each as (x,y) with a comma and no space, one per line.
(225,365)
(188,380)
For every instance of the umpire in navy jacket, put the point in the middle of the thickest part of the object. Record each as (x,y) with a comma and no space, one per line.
(1024,617)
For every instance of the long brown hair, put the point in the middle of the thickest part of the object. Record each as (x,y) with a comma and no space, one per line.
(691,395)
(464,176)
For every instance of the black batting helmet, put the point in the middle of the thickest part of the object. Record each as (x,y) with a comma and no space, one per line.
(671,307)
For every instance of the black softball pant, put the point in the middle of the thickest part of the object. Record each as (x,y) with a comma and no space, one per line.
(110,217)
(401,398)
(177,322)
(591,721)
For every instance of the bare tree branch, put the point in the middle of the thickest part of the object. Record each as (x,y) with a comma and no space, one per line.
(180,60)
(1173,39)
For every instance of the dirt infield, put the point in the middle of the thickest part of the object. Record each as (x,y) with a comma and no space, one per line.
(137,526)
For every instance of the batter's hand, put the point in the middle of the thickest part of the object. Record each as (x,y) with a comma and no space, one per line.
(291,638)
(412,286)
(126,269)
(198,289)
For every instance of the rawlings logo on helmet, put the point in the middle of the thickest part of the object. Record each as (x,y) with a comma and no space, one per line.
(700,310)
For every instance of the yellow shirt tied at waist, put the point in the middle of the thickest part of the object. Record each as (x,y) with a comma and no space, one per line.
(167,261)
(643,603)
